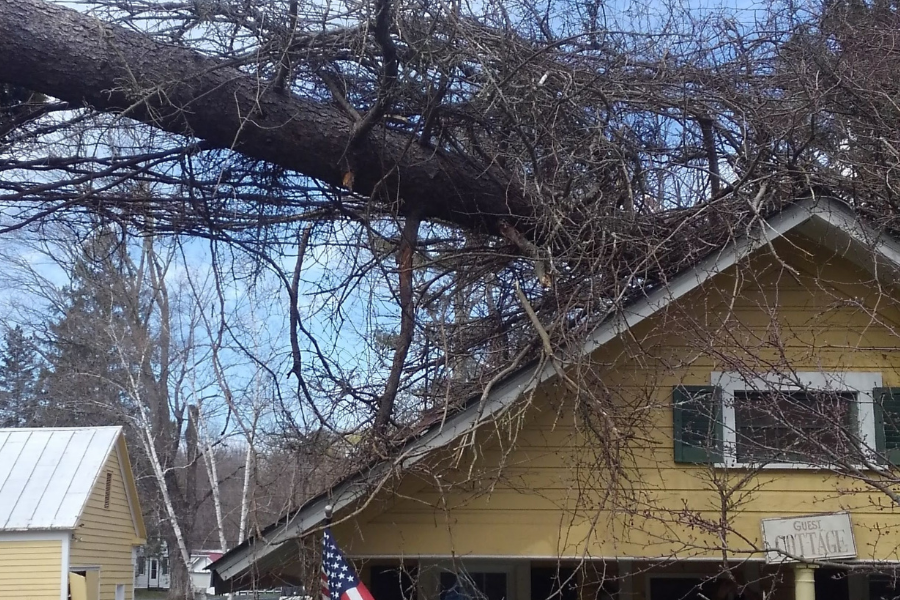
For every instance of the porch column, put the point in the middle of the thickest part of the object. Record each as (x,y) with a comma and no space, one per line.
(625,580)
(804,582)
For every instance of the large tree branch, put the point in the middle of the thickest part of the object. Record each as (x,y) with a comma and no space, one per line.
(77,58)
(408,240)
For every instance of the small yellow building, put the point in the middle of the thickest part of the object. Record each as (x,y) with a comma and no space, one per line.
(69,514)
(733,432)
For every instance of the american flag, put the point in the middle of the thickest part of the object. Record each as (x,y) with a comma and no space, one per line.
(339,581)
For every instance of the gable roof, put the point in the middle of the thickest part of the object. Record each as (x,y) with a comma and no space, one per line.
(828,221)
(47,475)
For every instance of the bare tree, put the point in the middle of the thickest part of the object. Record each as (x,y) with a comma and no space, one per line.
(455,189)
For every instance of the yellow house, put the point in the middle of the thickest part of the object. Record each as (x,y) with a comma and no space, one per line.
(69,514)
(729,433)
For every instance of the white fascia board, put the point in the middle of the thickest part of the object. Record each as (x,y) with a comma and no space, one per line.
(132,508)
(34,536)
(836,217)
(639,310)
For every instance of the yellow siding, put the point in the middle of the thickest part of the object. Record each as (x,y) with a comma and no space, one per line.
(30,570)
(105,536)
(539,483)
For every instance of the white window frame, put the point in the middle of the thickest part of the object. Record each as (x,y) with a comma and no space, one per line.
(860,383)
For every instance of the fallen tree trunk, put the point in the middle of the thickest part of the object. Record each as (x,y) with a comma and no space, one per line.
(80,59)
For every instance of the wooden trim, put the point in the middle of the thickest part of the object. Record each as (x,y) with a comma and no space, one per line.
(64,571)
(864,384)
(131,492)
(34,536)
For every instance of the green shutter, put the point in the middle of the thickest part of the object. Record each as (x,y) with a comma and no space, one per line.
(697,421)
(887,423)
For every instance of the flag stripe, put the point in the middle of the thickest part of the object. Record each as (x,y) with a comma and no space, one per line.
(354,594)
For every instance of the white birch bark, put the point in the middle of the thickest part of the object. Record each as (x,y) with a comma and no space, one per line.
(212,472)
(249,462)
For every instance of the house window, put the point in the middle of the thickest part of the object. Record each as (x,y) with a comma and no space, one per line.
(141,565)
(153,574)
(786,426)
(164,566)
(790,420)
(473,586)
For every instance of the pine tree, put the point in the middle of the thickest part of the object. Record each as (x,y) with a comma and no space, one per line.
(82,382)
(18,377)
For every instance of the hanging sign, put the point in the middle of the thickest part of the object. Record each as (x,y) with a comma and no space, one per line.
(813,537)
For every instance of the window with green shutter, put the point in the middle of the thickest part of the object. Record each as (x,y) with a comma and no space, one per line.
(697,420)
(887,423)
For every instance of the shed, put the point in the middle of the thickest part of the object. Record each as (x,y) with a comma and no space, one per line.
(69,514)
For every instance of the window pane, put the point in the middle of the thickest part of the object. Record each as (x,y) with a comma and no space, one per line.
(791,426)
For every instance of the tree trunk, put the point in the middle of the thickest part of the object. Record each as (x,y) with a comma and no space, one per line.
(77,58)
(180,586)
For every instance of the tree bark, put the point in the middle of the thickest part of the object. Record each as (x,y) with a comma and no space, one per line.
(78,58)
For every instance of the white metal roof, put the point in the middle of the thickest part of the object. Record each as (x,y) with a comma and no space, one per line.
(47,474)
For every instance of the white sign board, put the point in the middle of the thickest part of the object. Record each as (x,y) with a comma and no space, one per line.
(813,537)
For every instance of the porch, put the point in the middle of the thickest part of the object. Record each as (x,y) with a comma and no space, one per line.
(590,579)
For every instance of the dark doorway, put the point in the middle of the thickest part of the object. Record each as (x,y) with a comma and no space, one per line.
(678,588)
(831,584)
(393,583)
(553,583)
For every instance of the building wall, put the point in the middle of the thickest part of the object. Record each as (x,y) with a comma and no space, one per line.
(544,483)
(31,569)
(106,535)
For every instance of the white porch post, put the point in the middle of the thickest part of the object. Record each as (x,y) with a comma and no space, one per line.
(804,582)
(625,580)
(523,580)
